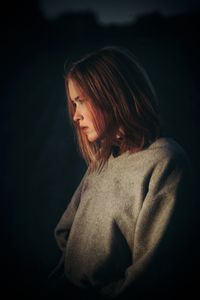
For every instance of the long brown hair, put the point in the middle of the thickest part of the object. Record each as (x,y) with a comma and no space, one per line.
(121,99)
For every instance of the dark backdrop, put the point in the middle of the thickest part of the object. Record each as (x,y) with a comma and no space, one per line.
(40,163)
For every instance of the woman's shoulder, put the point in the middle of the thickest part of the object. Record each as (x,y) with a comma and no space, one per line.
(163,151)
(167,146)
(168,149)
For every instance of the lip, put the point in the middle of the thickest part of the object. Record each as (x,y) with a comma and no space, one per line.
(84,128)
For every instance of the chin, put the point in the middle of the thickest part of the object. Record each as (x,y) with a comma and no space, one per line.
(92,139)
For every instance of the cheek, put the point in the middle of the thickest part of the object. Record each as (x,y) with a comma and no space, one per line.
(99,124)
(90,115)
(96,118)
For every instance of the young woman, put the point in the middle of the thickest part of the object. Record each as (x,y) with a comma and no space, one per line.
(125,229)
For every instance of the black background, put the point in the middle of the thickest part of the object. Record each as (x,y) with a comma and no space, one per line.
(40,163)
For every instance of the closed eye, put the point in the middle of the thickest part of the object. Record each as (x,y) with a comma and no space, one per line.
(79,101)
(74,103)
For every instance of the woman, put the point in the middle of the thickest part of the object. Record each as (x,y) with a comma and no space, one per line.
(123,230)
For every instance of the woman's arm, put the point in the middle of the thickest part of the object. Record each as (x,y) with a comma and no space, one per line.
(64,225)
(162,230)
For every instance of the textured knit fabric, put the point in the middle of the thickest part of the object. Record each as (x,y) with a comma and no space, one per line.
(116,220)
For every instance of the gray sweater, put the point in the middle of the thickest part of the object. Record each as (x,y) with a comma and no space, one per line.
(117,218)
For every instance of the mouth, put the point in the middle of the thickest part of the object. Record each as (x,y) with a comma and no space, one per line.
(84,128)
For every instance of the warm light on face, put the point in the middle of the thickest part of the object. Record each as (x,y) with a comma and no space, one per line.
(82,114)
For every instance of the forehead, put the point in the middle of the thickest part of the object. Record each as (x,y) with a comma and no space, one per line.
(74,91)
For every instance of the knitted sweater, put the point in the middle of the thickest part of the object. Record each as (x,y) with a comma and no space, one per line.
(117,219)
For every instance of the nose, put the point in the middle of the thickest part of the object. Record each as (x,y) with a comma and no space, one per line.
(77,116)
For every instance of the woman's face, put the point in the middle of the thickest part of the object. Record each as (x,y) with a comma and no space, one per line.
(82,115)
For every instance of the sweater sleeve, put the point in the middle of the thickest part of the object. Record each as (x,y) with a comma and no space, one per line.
(161,228)
(63,227)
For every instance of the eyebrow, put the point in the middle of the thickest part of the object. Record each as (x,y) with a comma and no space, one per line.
(77,98)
